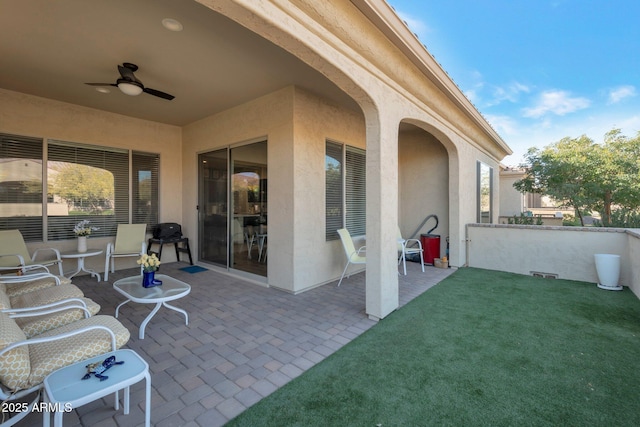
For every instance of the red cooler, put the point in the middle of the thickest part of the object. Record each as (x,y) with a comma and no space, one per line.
(430,246)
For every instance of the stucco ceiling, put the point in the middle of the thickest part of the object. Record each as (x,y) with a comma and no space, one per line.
(51,48)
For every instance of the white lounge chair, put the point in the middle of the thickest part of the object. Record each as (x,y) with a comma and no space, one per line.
(24,363)
(353,256)
(14,254)
(406,246)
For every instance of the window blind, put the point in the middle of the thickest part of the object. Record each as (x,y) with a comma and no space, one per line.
(86,182)
(145,172)
(21,185)
(355,191)
(334,190)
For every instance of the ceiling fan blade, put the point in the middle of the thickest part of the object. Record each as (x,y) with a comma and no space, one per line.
(158,93)
(101,84)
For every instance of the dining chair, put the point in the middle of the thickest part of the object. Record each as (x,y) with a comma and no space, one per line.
(130,242)
(408,247)
(353,255)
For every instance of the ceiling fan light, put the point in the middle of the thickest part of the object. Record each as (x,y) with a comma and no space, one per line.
(130,88)
(172,24)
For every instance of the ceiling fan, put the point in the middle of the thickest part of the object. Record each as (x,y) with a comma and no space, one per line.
(130,85)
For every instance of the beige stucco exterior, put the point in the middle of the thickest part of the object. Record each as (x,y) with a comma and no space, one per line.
(511,200)
(27,115)
(427,165)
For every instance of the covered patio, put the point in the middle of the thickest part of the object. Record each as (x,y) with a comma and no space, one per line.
(243,341)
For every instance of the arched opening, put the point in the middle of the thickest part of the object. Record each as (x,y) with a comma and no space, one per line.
(424,182)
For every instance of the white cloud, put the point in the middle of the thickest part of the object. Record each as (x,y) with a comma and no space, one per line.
(504,125)
(557,102)
(415,24)
(472,95)
(618,94)
(510,92)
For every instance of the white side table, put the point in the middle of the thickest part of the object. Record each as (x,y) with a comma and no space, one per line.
(65,389)
(80,256)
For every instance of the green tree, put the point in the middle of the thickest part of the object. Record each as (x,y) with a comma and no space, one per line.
(84,185)
(586,175)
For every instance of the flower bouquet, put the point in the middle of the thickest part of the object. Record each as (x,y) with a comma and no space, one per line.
(149,264)
(83,228)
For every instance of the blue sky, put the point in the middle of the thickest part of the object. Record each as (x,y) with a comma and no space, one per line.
(538,70)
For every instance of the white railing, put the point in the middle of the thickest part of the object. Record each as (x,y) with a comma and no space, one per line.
(565,252)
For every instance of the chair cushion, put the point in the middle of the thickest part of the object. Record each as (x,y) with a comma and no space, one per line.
(15,289)
(46,296)
(50,356)
(15,364)
(5,301)
(37,325)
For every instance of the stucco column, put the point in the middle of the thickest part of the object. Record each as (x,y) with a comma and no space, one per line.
(382,214)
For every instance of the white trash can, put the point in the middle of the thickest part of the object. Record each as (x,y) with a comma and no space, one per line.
(608,269)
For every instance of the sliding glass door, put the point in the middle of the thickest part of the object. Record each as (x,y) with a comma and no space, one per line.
(233,208)
(213,207)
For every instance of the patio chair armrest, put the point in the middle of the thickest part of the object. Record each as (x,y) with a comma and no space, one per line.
(53,310)
(20,260)
(52,307)
(31,267)
(361,249)
(32,341)
(54,250)
(29,277)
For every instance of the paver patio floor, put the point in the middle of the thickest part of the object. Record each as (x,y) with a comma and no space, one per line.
(243,341)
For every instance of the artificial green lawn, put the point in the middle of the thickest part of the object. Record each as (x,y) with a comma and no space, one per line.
(480,348)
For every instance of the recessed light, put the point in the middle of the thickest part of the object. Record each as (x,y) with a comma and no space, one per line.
(103,90)
(172,24)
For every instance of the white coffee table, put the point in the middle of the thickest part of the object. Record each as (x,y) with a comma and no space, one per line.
(171,289)
(65,389)
(80,256)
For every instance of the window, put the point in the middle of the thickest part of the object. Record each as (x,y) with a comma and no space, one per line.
(21,185)
(81,182)
(484,193)
(345,186)
(146,169)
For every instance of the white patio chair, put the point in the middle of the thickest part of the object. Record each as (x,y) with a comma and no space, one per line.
(130,242)
(24,363)
(405,247)
(15,255)
(249,238)
(353,255)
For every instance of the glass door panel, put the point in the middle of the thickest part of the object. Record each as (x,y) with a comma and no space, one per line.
(213,207)
(248,201)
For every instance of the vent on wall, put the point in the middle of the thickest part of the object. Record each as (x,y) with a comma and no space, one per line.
(544,275)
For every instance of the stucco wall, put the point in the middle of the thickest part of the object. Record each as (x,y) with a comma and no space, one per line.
(565,251)
(634,256)
(28,115)
(511,200)
(296,125)
(269,117)
(315,260)
(423,184)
